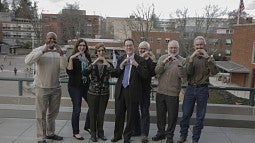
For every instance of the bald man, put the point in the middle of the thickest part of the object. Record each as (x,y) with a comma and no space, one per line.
(49,60)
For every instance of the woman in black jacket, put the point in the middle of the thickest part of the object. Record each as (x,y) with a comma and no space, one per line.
(78,83)
(98,93)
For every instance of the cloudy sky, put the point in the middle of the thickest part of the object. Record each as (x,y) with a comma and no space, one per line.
(123,8)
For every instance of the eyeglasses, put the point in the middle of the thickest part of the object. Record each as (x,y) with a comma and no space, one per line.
(100,50)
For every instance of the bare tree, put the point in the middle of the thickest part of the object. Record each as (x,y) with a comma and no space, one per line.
(4,6)
(142,20)
(212,15)
(181,26)
(181,20)
(73,22)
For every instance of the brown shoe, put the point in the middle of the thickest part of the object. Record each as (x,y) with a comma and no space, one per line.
(181,140)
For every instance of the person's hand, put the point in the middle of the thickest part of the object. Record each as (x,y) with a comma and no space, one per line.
(48,48)
(124,62)
(75,55)
(203,53)
(133,62)
(168,59)
(58,49)
(176,61)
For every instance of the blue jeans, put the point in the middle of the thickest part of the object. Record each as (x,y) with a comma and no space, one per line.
(194,95)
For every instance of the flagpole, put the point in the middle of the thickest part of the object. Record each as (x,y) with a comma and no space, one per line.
(240,9)
(238,16)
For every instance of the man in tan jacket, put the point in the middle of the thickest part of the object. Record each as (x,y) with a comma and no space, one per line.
(49,59)
(170,72)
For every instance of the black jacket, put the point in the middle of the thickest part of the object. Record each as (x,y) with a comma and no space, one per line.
(136,76)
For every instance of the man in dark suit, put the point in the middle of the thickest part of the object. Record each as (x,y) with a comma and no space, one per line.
(130,71)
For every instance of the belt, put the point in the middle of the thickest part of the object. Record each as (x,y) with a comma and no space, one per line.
(198,85)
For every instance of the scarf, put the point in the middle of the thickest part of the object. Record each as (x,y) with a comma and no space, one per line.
(83,67)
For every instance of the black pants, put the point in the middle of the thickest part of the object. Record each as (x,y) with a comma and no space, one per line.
(142,124)
(97,106)
(122,105)
(167,105)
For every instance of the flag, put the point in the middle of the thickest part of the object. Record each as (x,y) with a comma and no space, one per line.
(241,6)
(114,59)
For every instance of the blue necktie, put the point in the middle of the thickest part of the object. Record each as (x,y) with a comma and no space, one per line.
(126,75)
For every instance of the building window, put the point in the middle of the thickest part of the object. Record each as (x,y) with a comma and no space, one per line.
(214,41)
(228,42)
(159,40)
(142,39)
(167,40)
(151,40)
(227,52)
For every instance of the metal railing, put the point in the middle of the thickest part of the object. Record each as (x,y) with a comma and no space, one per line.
(20,81)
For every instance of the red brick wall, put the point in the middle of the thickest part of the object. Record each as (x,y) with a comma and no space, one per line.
(154,44)
(240,79)
(242,48)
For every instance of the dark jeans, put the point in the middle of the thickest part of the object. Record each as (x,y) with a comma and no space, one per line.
(169,105)
(76,94)
(194,95)
(143,120)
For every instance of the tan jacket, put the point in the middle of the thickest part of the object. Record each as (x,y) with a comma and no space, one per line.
(170,76)
(48,66)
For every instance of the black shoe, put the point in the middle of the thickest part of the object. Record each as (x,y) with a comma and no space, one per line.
(181,140)
(135,134)
(93,139)
(78,137)
(126,141)
(193,141)
(115,139)
(43,141)
(102,137)
(158,137)
(55,137)
(169,140)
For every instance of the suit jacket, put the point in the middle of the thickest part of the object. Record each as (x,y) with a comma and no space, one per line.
(135,81)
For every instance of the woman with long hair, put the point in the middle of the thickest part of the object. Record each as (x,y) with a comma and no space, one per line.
(78,83)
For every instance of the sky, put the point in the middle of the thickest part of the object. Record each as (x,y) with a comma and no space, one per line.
(124,8)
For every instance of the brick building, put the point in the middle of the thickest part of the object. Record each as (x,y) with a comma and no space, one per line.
(158,40)
(242,55)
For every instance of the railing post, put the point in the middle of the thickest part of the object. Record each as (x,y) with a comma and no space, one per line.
(20,87)
(252,92)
